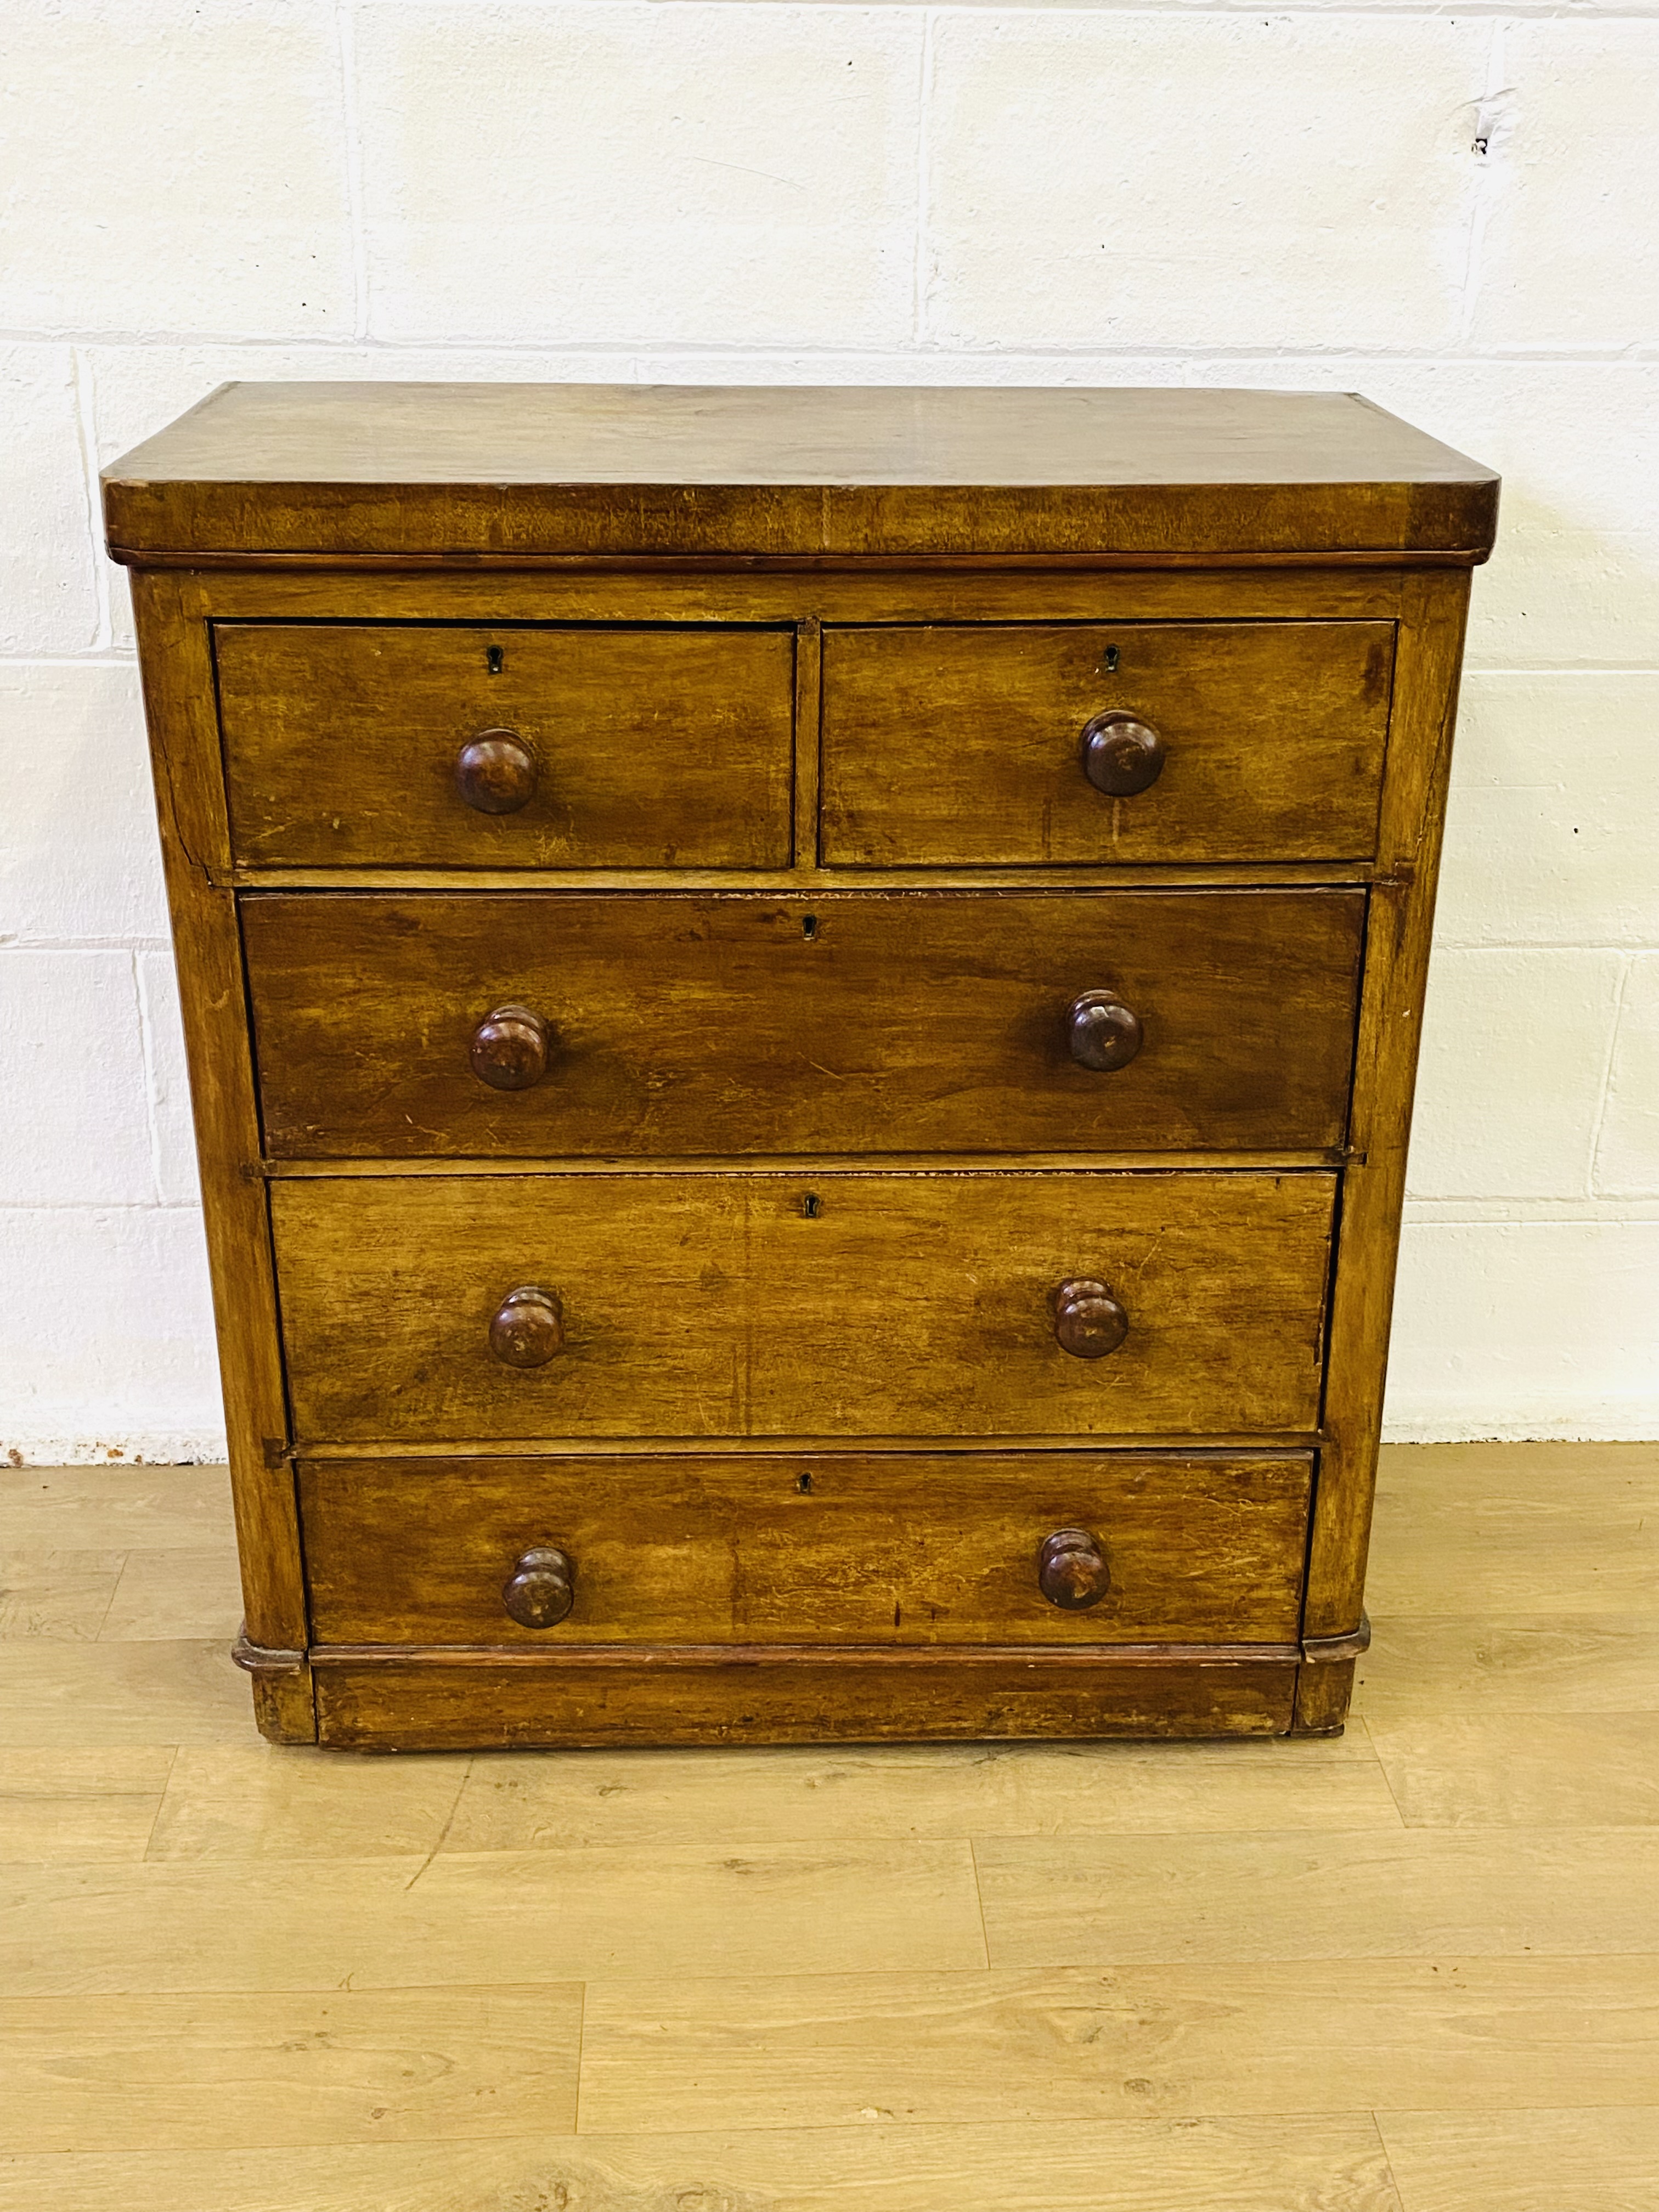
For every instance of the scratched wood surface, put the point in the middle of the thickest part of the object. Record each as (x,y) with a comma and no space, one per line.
(1413,1969)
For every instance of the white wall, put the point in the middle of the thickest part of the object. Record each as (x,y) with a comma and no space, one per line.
(1454,214)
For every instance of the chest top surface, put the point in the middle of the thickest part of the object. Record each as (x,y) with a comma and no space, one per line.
(513,471)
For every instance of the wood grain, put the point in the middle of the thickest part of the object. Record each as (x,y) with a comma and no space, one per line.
(175,1595)
(1163,2041)
(499,1918)
(179,704)
(312,2067)
(148,1508)
(61,1696)
(762,1319)
(917,1790)
(879,1022)
(654,748)
(1516,1528)
(1593,2161)
(1188,2165)
(1567,1663)
(963,746)
(79,1806)
(485,468)
(406,1704)
(1374,1893)
(290,1801)
(811,1549)
(1524,1770)
(60,1596)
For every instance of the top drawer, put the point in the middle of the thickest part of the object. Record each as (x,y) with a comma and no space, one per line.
(968,746)
(611,748)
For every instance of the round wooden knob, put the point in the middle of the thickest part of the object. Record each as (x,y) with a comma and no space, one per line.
(1088,1322)
(509,1048)
(1104,1033)
(1121,754)
(1072,1569)
(496,772)
(528,1328)
(543,1588)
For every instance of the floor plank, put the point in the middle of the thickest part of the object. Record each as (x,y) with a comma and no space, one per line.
(70,1695)
(1087,1900)
(1186,2165)
(165,1596)
(61,1597)
(72,1807)
(116,1506)
(504,1916)
(1524,1770)
(268,1800)
(1548,1663)
(1328,2036)
(1528,1528)
(374,2066)
(916,1789)
(1547,2161)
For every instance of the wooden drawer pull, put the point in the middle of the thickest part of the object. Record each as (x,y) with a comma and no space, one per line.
(496,773)
(1072,1569)
(1088,1322)
(1104,1033)
(543,1588)
(528,1328)
(1121,755)
(509,1048)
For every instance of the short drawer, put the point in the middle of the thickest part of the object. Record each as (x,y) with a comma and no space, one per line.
(407,744)
(958,1022)
(974,746)
(883,1549)
(503,1307)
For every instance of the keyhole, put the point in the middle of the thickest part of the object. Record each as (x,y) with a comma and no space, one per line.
(810,1203)
(803,1484)
(496,656)
(1112,660)
(809,925)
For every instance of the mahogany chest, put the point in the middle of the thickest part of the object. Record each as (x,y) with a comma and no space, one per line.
(802,1008)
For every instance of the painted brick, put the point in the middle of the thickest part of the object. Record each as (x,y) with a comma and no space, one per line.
(1627,1156)
(1550,774)
(167,166)
(1149,179)
(106,1326)
(72,1077)
(48,558)
(1571,252)
(1515,1051)
(168,1080)
(1536,1328)
(1575,579)
(78,851)
(630,172)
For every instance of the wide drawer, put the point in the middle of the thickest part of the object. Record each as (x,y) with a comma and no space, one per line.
(841,1304)
(956,1022)
(619,748)
(860,1548)
(967,746)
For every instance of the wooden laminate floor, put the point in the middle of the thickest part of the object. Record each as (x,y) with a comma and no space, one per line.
(1416,1970)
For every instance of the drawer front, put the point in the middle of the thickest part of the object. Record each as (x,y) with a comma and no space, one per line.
(844,1548)
(967,746)
(612,748)
(834,1305)
(870,1022)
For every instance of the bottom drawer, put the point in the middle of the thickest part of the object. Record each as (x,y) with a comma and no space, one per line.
(908,1548)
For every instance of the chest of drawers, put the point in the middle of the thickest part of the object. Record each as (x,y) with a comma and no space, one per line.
(802,1009)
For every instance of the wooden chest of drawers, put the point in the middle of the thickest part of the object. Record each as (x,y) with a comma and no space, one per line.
(802,1009)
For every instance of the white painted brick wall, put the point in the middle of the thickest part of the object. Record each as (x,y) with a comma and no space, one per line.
(1453,213)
